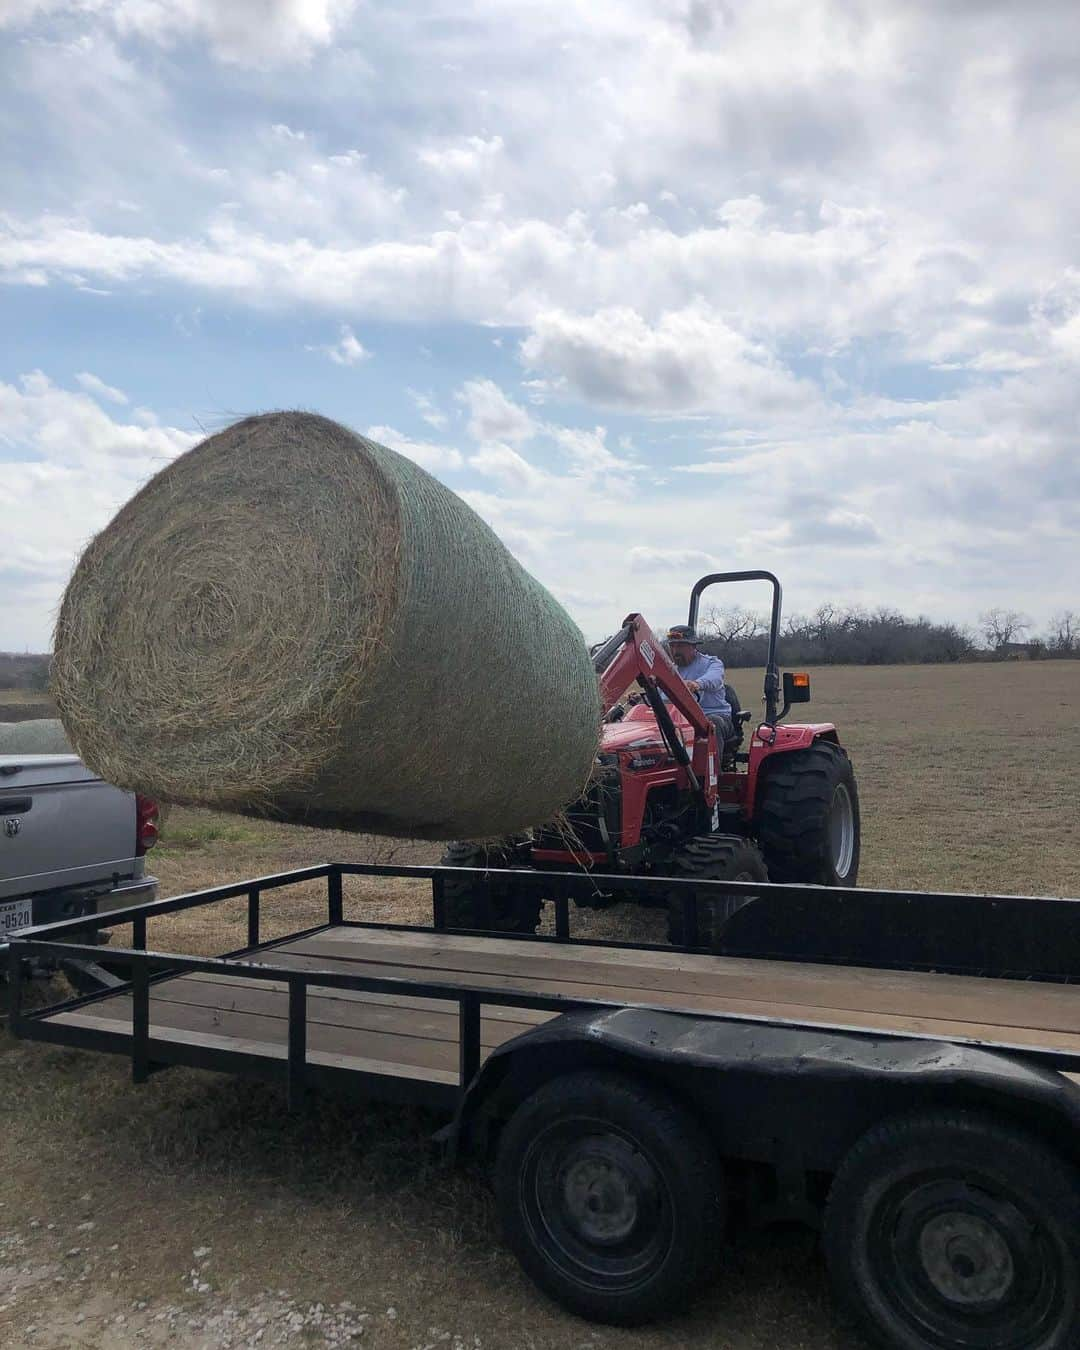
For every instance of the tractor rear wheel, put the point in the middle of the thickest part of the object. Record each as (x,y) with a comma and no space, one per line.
(712,857)
(471,903)
(807,819)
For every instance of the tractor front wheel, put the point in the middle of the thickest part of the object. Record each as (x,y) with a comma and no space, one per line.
(474,903)
(807,819)
(711,857)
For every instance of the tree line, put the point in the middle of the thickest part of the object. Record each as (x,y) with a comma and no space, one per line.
(832,635)
(24,670)
(851,635)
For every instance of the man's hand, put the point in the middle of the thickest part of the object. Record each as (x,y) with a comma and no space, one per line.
(693,686)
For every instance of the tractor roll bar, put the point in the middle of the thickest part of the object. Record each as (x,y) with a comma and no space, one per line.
(772,670)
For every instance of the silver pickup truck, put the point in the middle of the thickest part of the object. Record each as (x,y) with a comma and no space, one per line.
(69,843)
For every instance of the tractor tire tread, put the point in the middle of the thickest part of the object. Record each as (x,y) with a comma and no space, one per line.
(465,904)
(794,801)
(712,857)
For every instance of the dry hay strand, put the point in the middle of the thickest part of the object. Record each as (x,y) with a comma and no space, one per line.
(293,620)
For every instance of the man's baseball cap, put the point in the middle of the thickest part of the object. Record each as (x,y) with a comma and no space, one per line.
(682,632)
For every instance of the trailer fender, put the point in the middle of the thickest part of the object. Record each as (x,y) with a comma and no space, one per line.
(791,1096)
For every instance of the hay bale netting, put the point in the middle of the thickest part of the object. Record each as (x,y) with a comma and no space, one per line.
(295,620)
(42,736)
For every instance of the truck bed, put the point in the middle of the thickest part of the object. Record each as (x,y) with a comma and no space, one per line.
(417,1038)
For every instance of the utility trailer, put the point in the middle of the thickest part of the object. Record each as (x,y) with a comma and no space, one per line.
(898,1069)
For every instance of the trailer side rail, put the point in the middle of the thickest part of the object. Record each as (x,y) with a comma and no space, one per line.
(146,967)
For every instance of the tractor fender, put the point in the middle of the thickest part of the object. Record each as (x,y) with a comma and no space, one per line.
(780,740)
(772,1093)
(796,737)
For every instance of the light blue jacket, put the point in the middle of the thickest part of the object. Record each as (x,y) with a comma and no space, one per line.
(709,673)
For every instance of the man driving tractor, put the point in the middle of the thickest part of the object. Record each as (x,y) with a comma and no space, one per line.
(703,675)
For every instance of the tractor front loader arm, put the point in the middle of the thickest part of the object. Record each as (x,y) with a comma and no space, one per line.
(635,655)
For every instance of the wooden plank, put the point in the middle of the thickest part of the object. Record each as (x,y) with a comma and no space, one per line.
(722,1002)
(385,1046)
(437,1048)
(362,1064)
(903,982)
(857,990)
(415,1036)
(521,1016)
(437,1022)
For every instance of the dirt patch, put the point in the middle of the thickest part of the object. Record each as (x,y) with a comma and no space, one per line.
(199,1211)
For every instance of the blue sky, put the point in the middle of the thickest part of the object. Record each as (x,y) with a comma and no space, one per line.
(659,286)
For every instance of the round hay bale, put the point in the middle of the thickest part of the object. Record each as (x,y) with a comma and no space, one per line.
(293,620)
(41,736)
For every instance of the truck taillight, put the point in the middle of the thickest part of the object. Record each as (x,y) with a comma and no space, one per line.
(146,823)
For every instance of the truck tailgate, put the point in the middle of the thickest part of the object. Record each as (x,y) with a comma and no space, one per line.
(60,825)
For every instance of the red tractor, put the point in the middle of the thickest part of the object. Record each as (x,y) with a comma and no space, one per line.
(667,799)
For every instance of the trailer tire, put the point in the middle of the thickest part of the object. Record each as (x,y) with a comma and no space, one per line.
(712,857)
(609,1194)
(948,1230)
(465,901)
(807,818)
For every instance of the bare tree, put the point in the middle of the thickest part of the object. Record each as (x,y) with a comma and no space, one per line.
(1002,626)
(732,625)
(1064,635)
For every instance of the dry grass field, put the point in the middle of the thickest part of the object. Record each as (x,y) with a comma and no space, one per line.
(195,1211)
(20,705)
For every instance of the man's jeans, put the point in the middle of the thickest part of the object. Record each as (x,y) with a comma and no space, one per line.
(725,728)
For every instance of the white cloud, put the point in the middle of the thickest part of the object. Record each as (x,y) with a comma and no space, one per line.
(741,212)
(347,351)
(469,156)
(689,361)
(41,421)
(827,189)
(685,560)
(99,388)
(492,415)
(68,466)
(428,409)
(434,458)
(587,450)
(240,32)
(505,464)
(836,242)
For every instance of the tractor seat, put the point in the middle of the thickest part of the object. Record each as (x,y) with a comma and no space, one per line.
(739,719)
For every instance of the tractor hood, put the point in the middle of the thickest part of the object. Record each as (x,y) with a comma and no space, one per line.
(638,730)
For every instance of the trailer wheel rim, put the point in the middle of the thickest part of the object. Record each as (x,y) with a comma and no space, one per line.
(842,830)
(963,1263)
(596,1205)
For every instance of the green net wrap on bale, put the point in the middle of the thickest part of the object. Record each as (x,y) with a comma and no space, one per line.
(41,736)
(295,620)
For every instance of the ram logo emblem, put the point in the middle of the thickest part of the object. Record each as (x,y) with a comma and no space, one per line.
(12,826)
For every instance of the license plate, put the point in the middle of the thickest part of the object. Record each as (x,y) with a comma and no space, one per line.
(16,914)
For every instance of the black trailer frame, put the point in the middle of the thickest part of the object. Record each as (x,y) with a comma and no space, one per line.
(1029,939)
(782,1108)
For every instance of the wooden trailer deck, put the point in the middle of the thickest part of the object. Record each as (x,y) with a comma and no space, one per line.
(417,1038)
